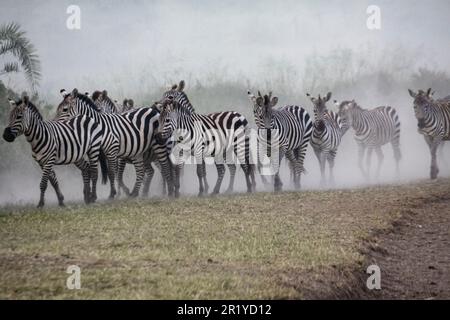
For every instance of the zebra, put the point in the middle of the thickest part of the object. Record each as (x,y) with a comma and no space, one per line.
(102,100)
(127,105)
(58,143)
(216,135)
(289,127)
(128,135)
(327,134)
(433,121)
(373,129)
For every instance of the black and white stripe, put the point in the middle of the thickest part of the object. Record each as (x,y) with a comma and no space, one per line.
(287,130)
(327,134)
(104,102)
(433,121)
(74,141)
(222,136)
(372,129)
(128,135)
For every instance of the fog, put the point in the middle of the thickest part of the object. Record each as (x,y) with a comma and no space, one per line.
(137,48)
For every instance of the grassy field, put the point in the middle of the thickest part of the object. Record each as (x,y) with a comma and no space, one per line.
(286,245)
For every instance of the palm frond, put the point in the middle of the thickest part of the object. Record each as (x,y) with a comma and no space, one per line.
(14,41)
(10,67)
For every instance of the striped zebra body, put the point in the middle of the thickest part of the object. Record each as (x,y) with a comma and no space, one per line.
(326,136)
(286,130)
(74,141)
(433,121)
(102,101)
(221,135)
(128,135)
(373,129)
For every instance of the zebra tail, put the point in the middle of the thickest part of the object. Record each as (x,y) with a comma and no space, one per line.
(103,166)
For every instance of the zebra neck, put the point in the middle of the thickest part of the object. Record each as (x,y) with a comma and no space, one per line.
(84,109)
(357,121)
(35,131)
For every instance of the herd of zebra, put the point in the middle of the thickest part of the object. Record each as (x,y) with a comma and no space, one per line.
(93,129)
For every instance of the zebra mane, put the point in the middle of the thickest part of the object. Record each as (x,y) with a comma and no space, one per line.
(33,109)
(343,103)
(188,105)
(87,101)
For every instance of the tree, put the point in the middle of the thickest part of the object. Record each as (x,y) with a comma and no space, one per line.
(13,41)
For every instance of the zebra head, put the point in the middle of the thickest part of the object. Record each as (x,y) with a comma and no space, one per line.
(262,109)
(103,102)
(19,118)
(320,108)
(423,101)
(346,110)
(67,107)
(127,105)
(175,95)
(168,121)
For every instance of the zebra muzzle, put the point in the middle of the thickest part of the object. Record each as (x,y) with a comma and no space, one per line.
(8,135)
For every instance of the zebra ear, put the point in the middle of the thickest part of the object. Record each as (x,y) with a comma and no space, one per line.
(181,86)
(274,101)
(327,97)
(260,101)
(428,92)
(63,92)
(174,87)
(104,93)
(25,99)
(131,102)
(74,92)
(12,103)
(412,93)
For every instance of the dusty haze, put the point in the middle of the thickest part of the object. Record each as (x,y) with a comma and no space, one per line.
(136,48)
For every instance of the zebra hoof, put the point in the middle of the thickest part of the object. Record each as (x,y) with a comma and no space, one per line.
(62,205)
(134,194)
(40,204)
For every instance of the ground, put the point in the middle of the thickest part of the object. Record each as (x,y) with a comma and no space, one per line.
(290,245)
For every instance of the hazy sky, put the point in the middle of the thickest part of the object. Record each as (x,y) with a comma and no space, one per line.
(119,38)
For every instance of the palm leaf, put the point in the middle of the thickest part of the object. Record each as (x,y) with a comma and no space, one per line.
(14,41)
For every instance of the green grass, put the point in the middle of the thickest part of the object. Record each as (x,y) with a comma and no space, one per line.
(242,246)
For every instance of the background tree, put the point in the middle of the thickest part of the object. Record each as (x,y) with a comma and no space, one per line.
(13,42)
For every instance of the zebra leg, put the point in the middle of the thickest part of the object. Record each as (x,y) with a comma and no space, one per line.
(112,172)
(121,184)
(278,185)
(205,181)
(397,155)
(46,171)
(139,167)
(294,168)
(330,158)
(321,157)
(220,173)
(84,168)
(176,179)
(149,171)
(380,157)
(369,160)
(55,185)
(433,144)
(93,173)
(232,168)
(201,188)
(361,151)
